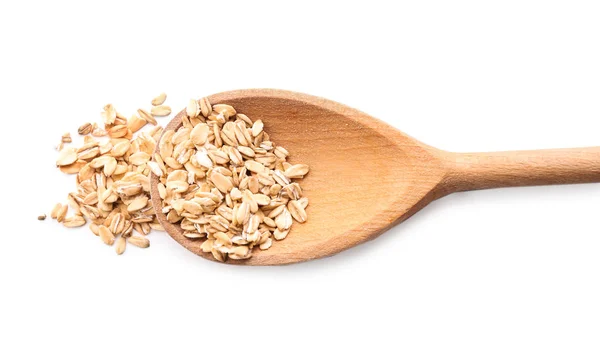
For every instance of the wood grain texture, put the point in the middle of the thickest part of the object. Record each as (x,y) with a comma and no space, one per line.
(366,176)
(469,171)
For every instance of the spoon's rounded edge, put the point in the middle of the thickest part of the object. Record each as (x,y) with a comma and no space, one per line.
(396,213)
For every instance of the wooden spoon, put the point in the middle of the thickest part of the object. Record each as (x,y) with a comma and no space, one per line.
(365,176)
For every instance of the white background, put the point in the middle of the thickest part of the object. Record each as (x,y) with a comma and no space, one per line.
(516,266)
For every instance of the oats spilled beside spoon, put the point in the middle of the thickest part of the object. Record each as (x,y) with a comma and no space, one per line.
(112,175)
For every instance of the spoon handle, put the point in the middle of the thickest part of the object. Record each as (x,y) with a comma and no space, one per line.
(470,171)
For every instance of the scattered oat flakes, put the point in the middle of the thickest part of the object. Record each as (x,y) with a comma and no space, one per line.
(113,186)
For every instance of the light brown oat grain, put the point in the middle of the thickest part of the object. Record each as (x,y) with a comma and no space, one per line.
(62,213)
(55,210)
(95,229)
(109,115)
(205,107)
(66,156)
(160,99)
(120,247)
(106,235)
(74,222)
(160,110)
(147,116)
(85,129)
(193,109)
(139,241)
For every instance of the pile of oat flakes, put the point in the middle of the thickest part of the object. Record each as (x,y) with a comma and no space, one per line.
(220,178)
(223,179)
(113,184)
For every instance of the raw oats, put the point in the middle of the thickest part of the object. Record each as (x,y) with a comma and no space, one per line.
(118,131)
(97,131)
(106,235)
(109,115)
(139,158)
(155,168)
(199,134)
(224,109)
(284,219)
(138,204)
(205,107)
(297,211)
(66,156)
(147,116)
(257,128)
(160,99)
(85,129)
(221,179)
(279,234)
(139,241)
(225,183)
(62,213)
(95,229)
(266,245)
(161,110)
(55,210)
(120,247)
(74,222)
(135,123)
(193,109)
(42,217)
(120,148)
(113,185)
(296,171)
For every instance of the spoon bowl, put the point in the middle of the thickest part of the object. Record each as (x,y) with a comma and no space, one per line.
(366,176)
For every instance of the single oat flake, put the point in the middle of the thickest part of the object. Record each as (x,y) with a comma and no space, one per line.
(160,99)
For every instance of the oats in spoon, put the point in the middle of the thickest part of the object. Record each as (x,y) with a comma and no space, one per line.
(225,182)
